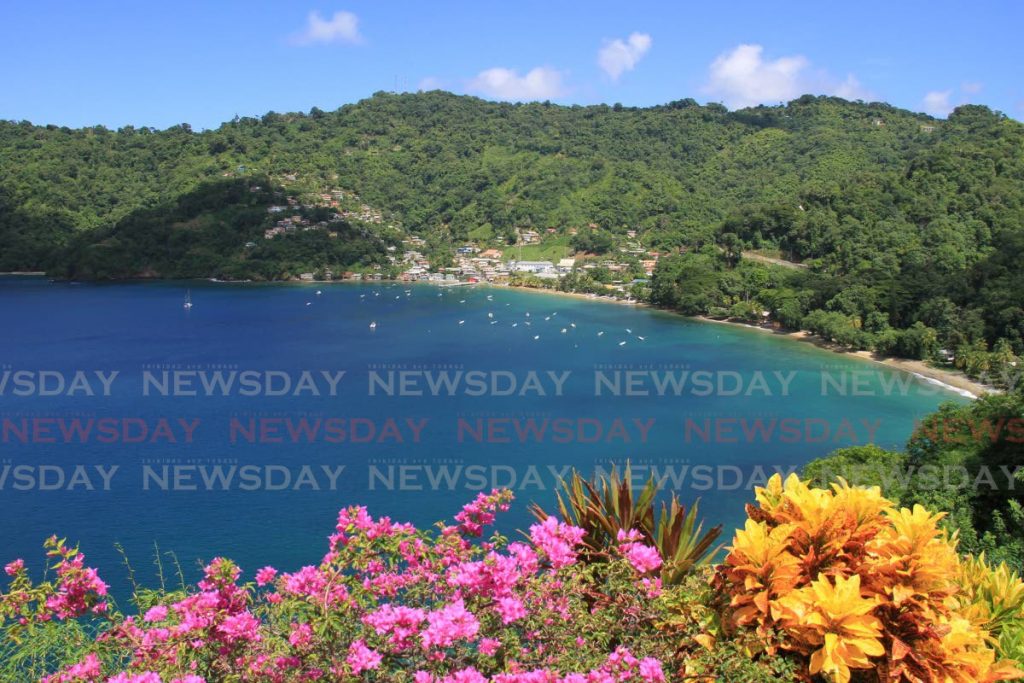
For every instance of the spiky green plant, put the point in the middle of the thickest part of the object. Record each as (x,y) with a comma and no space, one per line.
(607,504)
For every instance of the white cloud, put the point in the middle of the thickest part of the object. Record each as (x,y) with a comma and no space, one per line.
(937,103)
(851,89)
(971,87)
(541,83)
(744,78)
(618,56)
(343,27)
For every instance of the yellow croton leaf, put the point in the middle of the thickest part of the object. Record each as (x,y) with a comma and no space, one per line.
(836,617)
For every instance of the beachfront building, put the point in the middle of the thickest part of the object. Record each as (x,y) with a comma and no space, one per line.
(542,269)
(566,265)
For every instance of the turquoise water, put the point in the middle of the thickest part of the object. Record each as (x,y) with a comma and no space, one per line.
(416,455)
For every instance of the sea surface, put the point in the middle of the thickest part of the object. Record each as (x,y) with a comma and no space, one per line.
(454,390)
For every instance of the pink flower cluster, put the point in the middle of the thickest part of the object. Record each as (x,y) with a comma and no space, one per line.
(386,597)
(357,519)
(400,623)
(644,558)
(481,512)
(361,658)
(449,624)
(558,540)
(79,588)
(620,667)
(89,671)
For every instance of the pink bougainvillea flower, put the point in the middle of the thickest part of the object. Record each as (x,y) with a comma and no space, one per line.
(158,613)
(651,671)
(511,609)
(361,658)
(449,624)
(557,540)
(265,576)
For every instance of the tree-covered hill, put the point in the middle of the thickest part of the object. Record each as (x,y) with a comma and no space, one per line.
(899,218)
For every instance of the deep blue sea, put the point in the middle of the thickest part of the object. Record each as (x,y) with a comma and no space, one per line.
(454,391)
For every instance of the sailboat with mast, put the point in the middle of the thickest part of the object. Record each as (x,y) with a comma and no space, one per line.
(188,299)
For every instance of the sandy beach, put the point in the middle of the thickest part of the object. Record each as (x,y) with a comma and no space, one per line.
(955,381)
(950,379)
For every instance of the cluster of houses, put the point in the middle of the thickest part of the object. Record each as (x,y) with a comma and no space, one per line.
(473,264)
(343,203)
(363,213)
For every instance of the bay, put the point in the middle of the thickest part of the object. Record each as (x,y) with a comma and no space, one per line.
(240,426)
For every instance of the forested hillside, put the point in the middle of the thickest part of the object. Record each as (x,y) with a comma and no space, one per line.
(900,219)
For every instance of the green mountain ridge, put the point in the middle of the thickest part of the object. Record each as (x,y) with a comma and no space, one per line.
(894,213)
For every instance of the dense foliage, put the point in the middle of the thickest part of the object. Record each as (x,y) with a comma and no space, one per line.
(819,585)
(388,602)
(199,236)
(967,459)
(898,218)
(855,584)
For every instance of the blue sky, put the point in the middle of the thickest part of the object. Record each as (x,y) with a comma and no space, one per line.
(161,63)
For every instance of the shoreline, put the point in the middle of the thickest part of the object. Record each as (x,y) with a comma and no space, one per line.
(949,380)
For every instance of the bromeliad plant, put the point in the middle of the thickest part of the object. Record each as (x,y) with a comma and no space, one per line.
(863,589)
(610,514)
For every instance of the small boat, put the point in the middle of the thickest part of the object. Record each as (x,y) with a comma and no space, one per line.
(622,343)
(318,292)
(188,299)
(462,322)
(536,337)
(600,333)
(373,325)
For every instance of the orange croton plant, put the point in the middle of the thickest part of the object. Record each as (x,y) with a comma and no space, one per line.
(846,579)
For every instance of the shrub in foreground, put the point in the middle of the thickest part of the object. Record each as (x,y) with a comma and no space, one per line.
(387,602)
(822,586)
(859,587)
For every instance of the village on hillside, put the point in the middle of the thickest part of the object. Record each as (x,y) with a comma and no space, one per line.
(615,273)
